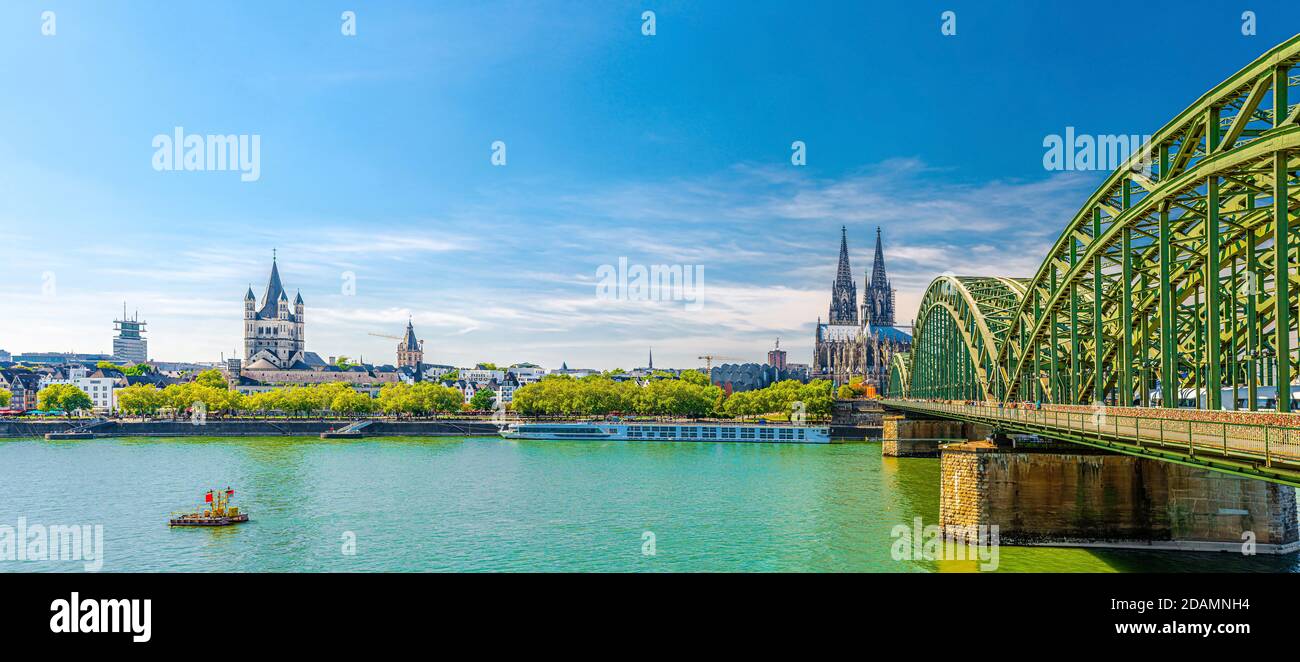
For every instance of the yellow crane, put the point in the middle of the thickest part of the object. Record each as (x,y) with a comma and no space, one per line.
(709,359)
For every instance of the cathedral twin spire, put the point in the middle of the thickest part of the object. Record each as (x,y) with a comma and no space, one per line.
(844,294)
(878,299)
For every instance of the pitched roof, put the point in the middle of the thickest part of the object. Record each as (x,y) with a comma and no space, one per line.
(890,333)
(29,380)
(408,340)
(274,292)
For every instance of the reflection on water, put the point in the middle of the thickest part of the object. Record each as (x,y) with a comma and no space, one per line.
(418,504)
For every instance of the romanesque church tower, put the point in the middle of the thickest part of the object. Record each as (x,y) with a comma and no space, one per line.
(274,332)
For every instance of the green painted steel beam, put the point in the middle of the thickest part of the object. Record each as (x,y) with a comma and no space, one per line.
(1176,270)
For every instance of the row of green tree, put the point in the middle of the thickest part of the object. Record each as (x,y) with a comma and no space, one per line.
(133,370)
(691,395)
(332,398)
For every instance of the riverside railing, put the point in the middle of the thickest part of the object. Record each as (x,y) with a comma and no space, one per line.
(1253,441)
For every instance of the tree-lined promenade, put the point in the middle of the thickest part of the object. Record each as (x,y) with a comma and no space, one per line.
(691,396)
(334,399)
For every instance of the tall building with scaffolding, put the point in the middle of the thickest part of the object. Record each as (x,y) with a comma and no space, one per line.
(129,344)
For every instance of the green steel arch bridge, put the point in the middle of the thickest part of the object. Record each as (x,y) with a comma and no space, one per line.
(1163,322)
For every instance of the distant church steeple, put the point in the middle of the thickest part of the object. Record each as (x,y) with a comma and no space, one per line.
(652,358)
(844,294)
(410,351)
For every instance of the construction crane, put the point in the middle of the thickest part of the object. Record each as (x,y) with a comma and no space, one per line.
(384,335)
(709,358)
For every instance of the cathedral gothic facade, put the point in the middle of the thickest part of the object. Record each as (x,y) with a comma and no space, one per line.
(859,341)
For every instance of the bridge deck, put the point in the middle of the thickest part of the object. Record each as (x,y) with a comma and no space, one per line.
(1258,450)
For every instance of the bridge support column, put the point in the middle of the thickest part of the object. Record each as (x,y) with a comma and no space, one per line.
(1053,495)
(921,437)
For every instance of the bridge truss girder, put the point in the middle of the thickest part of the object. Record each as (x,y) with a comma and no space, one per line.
(1169,275)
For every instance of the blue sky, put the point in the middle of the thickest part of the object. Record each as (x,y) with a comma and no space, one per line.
(667,149)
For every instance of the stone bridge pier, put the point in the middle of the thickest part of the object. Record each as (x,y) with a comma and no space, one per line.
(914,435)
(1056,493)
(1044,492)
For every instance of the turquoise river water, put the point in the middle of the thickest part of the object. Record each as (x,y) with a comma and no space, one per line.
(487,504)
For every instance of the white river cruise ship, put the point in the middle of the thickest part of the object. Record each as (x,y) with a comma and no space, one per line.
(658,431)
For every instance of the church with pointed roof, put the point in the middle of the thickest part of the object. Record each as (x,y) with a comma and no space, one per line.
(859,342)
(274,330)
(410,350)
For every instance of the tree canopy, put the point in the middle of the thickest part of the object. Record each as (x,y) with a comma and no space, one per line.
(482,400)
(132,370)
(212,378)
(597,395)
(66,397)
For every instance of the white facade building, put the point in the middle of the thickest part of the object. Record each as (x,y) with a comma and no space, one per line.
(527,373)
(481,376)
(102,390)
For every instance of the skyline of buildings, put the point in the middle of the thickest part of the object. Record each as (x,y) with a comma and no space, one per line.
(500,261)
(274,331)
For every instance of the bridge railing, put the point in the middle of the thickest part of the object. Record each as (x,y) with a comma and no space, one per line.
(1250,441)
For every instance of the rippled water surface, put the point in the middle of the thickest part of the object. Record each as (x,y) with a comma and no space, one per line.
(486,504)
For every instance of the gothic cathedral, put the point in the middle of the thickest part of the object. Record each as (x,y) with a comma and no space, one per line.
(850,344)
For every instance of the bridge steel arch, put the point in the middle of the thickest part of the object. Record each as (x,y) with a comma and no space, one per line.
(1168,278)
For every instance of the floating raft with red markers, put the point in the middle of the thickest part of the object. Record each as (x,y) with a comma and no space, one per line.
(216,511)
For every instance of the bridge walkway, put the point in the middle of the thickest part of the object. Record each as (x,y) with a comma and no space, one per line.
(1253,444)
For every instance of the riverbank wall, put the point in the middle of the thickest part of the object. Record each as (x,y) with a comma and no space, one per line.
(251,428)
(855,420)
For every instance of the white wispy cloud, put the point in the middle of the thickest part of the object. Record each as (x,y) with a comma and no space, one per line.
(523,287)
